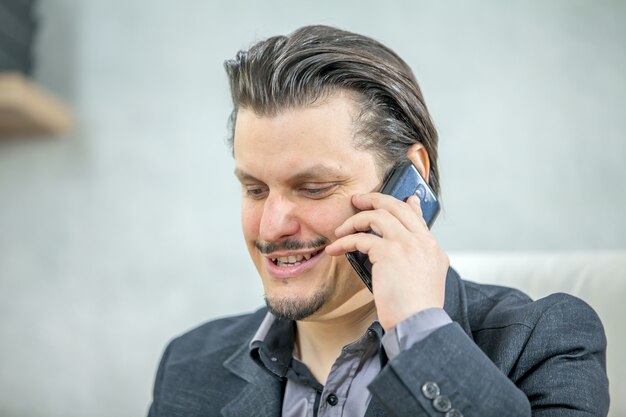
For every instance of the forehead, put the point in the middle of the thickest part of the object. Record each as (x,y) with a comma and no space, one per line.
(334,112)
(296,139)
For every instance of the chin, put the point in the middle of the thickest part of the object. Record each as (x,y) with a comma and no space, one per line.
(289,306)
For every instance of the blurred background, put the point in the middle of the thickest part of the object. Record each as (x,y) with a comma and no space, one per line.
(124,231)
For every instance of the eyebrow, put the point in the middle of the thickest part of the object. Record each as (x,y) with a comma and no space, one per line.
(311,173)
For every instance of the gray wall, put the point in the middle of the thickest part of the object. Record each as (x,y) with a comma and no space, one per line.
(126,231)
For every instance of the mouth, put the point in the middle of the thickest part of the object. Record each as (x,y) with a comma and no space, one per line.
(293,260)
(292,265)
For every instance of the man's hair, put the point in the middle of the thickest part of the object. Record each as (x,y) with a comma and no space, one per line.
(315,62)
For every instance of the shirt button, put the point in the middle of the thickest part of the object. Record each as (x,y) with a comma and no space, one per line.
(430,390)
(442,403)
(333,400)
(454,413)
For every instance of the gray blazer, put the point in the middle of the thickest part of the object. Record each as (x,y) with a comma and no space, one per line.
(503,355)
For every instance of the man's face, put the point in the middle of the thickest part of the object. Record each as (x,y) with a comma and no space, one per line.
(298,171)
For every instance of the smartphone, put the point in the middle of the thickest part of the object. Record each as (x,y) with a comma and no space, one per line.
(403,182)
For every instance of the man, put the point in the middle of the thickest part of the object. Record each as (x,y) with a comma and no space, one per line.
(320,118)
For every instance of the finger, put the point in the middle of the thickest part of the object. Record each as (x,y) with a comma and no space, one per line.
(409,213)
(380,221)
(363,242)
(416,205)
(372,201)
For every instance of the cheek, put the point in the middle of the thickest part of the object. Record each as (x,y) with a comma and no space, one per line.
(250,220)
(325,218)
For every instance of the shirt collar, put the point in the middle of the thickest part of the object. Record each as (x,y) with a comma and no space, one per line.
(272,345)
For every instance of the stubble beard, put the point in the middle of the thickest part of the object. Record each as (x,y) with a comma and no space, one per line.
(291,308)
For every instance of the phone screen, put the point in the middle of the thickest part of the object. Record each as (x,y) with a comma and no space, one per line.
(403,182)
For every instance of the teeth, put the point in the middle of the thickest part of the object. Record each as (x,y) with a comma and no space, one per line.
(292,260)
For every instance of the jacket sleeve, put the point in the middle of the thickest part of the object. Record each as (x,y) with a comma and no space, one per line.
(558,369)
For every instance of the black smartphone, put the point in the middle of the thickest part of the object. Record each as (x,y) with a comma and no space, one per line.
(403,182)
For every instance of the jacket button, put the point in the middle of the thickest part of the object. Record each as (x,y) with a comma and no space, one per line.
(454,413)
(332,399)
(430,390)
(442,403)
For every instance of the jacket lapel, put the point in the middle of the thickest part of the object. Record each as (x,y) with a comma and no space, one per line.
(375,409)
(261,396)
(455,302)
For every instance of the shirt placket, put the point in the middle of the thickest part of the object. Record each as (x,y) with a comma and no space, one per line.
(341,376)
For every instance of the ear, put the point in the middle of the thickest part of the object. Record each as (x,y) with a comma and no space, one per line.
(419,156)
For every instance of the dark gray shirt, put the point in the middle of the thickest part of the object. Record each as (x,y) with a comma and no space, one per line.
(345,393)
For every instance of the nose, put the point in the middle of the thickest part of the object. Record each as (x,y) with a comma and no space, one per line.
(279,219)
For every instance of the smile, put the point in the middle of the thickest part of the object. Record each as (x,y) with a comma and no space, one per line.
(293,260)
(292,265)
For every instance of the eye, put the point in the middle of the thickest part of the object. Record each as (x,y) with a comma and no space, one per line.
(317,190)
(255,191)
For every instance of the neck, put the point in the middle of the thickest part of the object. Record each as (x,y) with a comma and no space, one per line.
(319,340)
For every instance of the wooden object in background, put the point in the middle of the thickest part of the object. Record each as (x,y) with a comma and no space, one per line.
(26,109)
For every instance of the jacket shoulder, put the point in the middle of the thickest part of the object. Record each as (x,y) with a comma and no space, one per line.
(492,306)
(215,335)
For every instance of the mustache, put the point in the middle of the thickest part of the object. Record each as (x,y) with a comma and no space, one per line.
(291,244)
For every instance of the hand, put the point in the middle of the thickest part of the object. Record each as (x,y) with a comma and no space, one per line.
(408,266)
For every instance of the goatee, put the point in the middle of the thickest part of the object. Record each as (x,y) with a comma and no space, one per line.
(295,309)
